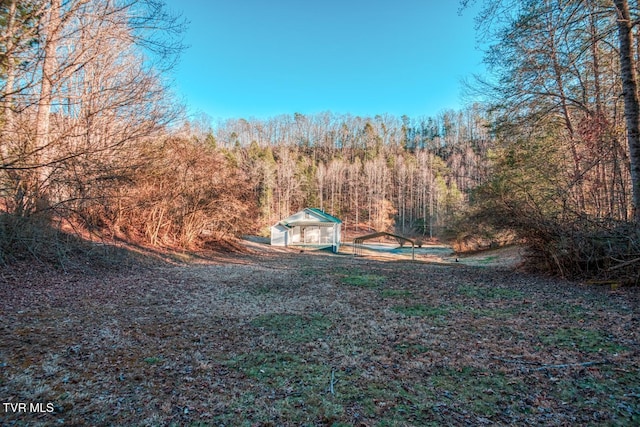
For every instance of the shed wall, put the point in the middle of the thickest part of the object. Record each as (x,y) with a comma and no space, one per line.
(279,236)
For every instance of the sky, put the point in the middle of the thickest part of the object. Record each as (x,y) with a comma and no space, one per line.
(263,58)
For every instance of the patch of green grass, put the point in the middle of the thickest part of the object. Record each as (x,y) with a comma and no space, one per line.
(298,388)
(488,260)
(240,412)
(261,290)
(395,293)
(152,360)
(584,340)
(368,281)
(603,389)
(280,370)
(308,271)
(294,327)
(396,403)
(569,310)
(390,403)
(483,293)
(483,392)
(499,313)
(298,393)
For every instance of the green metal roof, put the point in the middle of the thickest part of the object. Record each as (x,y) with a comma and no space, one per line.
(329,218)
(319,217)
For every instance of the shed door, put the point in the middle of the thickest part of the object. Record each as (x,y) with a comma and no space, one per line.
(312,235)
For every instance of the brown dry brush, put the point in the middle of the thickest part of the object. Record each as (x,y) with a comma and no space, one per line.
(29,237)
(577,247)
(600,251)
(40,241)
(177,195)
(187,196)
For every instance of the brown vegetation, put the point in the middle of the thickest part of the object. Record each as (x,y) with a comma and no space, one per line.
(186,196)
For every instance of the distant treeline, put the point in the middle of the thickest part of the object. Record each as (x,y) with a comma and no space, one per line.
(381,172)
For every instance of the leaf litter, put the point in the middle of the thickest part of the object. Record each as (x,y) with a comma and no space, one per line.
(289,338)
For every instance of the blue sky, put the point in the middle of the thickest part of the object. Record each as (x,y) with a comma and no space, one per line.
(262,58)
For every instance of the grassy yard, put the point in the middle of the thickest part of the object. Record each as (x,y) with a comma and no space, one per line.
(316,339)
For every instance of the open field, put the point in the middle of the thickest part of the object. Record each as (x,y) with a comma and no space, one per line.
(279,337)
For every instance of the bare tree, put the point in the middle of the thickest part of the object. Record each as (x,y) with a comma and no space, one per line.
(556,68)
(88,94)
(628,72)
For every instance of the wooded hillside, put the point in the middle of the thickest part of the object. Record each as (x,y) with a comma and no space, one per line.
(379,173)
(91,140)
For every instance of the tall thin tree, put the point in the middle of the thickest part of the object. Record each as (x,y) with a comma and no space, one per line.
(630,92)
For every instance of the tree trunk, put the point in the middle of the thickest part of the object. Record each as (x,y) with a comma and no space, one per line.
(10,72)
(7,137)
(631,101)
(42,138)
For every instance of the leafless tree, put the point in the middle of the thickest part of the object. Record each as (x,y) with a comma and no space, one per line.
(628,72)
(86,95)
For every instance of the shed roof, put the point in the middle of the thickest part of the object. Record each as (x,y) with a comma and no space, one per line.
(282,226)
(329,218)
(316,217)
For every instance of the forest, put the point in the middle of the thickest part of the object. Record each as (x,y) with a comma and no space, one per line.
(93,144)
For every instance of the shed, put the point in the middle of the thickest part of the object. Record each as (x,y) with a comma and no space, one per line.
(310,227)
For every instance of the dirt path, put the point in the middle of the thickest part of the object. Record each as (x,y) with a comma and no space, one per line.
(280,337)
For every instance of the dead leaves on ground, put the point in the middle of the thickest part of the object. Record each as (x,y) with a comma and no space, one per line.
(316,339)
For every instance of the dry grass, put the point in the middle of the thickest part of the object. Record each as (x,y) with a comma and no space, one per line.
(287,338)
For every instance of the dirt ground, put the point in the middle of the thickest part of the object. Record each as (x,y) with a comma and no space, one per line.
(276,336)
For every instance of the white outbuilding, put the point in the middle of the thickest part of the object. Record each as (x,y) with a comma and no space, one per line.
(310,227)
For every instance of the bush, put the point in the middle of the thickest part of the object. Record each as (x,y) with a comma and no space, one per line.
(188,196)
(534,195)
(29,237)
(39,239)
(569,245)
(585,248)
